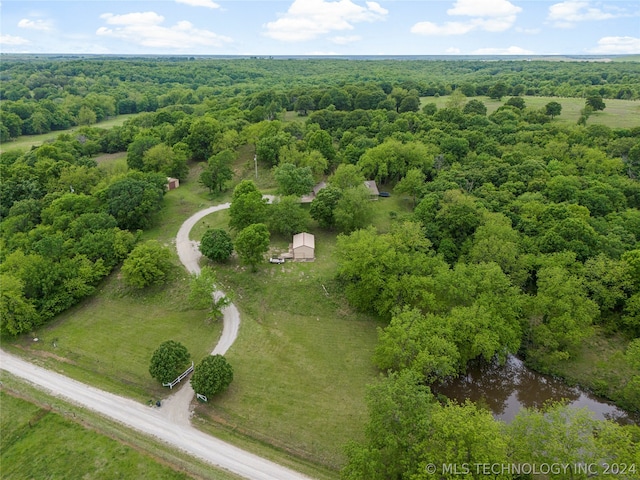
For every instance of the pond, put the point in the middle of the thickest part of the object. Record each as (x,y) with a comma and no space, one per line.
(505,389)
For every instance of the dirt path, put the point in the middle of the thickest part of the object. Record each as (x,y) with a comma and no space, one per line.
(171,422)
(177,407)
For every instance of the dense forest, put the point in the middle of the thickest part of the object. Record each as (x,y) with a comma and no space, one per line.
(524,234)
(43,94)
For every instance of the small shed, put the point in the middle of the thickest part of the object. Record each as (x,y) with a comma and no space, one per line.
(304,246)
(373,189)
(172,183)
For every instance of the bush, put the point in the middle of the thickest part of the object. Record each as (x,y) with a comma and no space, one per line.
(169,360)
(212,375)
(216,244)
(147,264)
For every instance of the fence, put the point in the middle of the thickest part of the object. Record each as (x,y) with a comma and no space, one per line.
(180,378)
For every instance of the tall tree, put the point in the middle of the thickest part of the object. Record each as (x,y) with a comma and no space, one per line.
(212,375)
(287,217)
(168,361)
(293,180)
(354,209)
(412,184)
(400,409)
(252,243)
(247,206)
(216,244)
(553,109)
(323,206)
(147,264)
(218,171)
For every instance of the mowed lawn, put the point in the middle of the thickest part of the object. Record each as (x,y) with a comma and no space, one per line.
(617,114)
(108,339)
(37,443)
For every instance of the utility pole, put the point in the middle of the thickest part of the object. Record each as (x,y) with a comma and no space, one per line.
(255,162)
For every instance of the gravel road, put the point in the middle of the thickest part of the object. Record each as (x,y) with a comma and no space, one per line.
(170,423)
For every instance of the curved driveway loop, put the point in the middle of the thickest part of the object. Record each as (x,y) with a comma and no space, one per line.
(170,423)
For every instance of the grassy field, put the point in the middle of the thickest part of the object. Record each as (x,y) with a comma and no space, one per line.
(36,443)
(617,114)
(84,436)
(25,142)
(108,339)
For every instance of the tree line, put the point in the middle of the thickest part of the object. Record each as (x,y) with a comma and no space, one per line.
(43,94)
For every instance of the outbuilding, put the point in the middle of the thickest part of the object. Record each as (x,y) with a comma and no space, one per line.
(304,246)
(172,183)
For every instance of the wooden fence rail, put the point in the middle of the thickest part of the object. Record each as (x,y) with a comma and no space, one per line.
(180,378)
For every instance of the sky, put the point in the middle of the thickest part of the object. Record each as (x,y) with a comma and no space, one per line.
(320,27)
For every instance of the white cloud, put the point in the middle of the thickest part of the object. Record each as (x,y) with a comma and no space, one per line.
(11,40)
(566,14)
(528,31)
(135,19)
(617,45)
(345,40)
(487,15)
(146,29)
(452,51)
(200,3)
(449,28)
(503,51)
(43,25)
(484,8)
(309,19)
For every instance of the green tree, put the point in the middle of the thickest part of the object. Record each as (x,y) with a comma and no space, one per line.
(463,434)
(412,184)
(147,264)
(517,102)
(410,103)
(218,170)
(247,206)
(323,206)
(552,109)
(287,217)
(475,106)
(212,375)
(216,244)
(252,243)
(303,104)
(321,141)
(562,434)
(497,91)
(86,116)
(400,408)
(17,313)
(163,159)
(595,102)
(202,293)
(560,316)
(202,138)
(137,149)
(168,361)
(134,199)
(354,209)
(346,176)
(293,180)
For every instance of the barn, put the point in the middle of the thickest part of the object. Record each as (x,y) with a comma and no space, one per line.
(304,246)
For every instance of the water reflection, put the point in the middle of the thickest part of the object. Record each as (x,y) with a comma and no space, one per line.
(505,389)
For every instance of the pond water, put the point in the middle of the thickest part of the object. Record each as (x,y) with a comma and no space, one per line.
(505,389)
